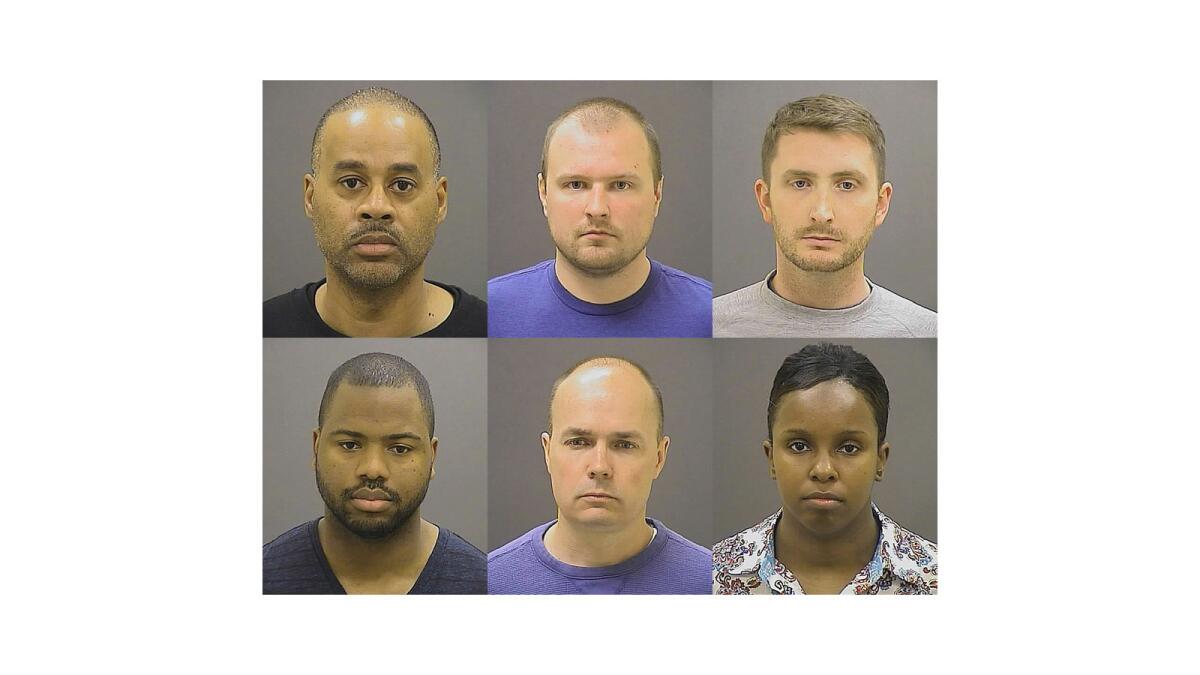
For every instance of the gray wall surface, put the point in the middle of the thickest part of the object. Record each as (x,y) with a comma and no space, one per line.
(902,256)
(521,372)
(291,111)
(519,112)
(295,371)
(743,373)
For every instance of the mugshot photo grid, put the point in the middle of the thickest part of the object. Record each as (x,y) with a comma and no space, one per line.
(680,337)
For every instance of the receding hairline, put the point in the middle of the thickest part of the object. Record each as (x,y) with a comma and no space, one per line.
(612,362)
(600,116)
(380,97)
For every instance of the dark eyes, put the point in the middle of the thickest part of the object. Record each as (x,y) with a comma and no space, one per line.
(584,442)
(846,185)
(845,448)
(618,185)
(399,185)
(355,445)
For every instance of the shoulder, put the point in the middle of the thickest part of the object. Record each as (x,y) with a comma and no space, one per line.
(512,550)
(291,314)
(682,279)
(919,321)
(468,317)
(288,543)
(911,557)
(736,300)
(456,567)
(293,565)
(514,281)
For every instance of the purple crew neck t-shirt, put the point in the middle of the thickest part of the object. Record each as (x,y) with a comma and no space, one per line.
(670,565)
(533,303)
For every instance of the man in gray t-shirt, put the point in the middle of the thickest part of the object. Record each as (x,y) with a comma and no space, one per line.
(823,193)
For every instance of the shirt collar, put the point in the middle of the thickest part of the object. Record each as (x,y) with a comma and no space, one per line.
(897,551)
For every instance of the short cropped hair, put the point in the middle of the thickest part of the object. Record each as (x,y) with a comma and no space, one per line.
(378,370)
(370,96)
(605,360)
(823,362)
(602,114)
(823,113)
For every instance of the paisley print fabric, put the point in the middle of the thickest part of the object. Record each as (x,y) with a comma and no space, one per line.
(904,563)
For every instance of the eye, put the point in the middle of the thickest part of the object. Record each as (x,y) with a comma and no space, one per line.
(799,183)
(622,185)
(573,185)
(849,449)
(348,445)
(846,185)
(399,449)
(626,445)
(351,183)
(797,446)
(403,185)
(575,442)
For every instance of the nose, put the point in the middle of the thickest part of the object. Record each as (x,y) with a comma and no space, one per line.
(822,210)
(822,470)
(598,464)
(597,205)
(372,465)
(376,205)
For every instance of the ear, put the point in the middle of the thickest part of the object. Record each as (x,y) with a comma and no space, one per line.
(763,196)
(881,460)
(542,193)
(661,460)
(310,182)
(658,196)
(442,185)
(316,439)
(883,203)
(432,457)
(770,458)
(546,449)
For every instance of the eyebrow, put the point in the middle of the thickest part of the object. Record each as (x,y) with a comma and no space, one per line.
(797,431)
(391,437)
(799,173)
(355,165)
(629,177)
(578,431)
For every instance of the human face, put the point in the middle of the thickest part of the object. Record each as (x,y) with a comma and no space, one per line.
(375,203)
(825,456)
(603,451)
(599,195)
(824,200)
(374,458)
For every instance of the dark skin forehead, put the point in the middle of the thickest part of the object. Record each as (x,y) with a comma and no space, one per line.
(831,408)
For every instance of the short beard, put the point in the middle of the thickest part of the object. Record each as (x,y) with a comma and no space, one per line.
(854,250)
(372,530)
(599,268)
(373,276)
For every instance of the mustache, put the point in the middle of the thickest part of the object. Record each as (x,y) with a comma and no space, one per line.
(820,232)
(371,485)
(375,227)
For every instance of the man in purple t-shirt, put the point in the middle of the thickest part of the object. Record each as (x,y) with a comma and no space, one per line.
(600,185)
(603,449)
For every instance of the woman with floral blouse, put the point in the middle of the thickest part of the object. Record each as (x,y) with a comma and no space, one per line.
(827,421)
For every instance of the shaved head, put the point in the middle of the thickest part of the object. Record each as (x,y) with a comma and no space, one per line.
(586,369)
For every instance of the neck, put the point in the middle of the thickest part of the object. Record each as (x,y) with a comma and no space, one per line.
(398,554)
(587,547)
(803,551)
(820,290)
(400,310)
(602,290)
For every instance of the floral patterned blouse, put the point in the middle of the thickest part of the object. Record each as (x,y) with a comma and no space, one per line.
(903,564)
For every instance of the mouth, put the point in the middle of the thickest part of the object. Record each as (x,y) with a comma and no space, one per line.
(597,234)
(819,239)
(374,244)
(597,496)
(822,499)
(371,501)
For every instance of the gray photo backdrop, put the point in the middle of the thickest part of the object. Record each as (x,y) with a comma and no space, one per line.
(291,110)
(902,256)
(295,371)
(521,372)
(518,114)
(743,373)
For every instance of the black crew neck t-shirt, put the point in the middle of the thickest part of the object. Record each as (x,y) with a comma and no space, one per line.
(294,564)
(294,314)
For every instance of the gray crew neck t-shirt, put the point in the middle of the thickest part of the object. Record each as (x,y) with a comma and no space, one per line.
(757,311)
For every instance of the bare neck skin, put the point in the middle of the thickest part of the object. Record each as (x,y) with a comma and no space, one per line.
(585,547)
(820,290)
(389,565)
(602,290)
(824,565)
(410,307)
